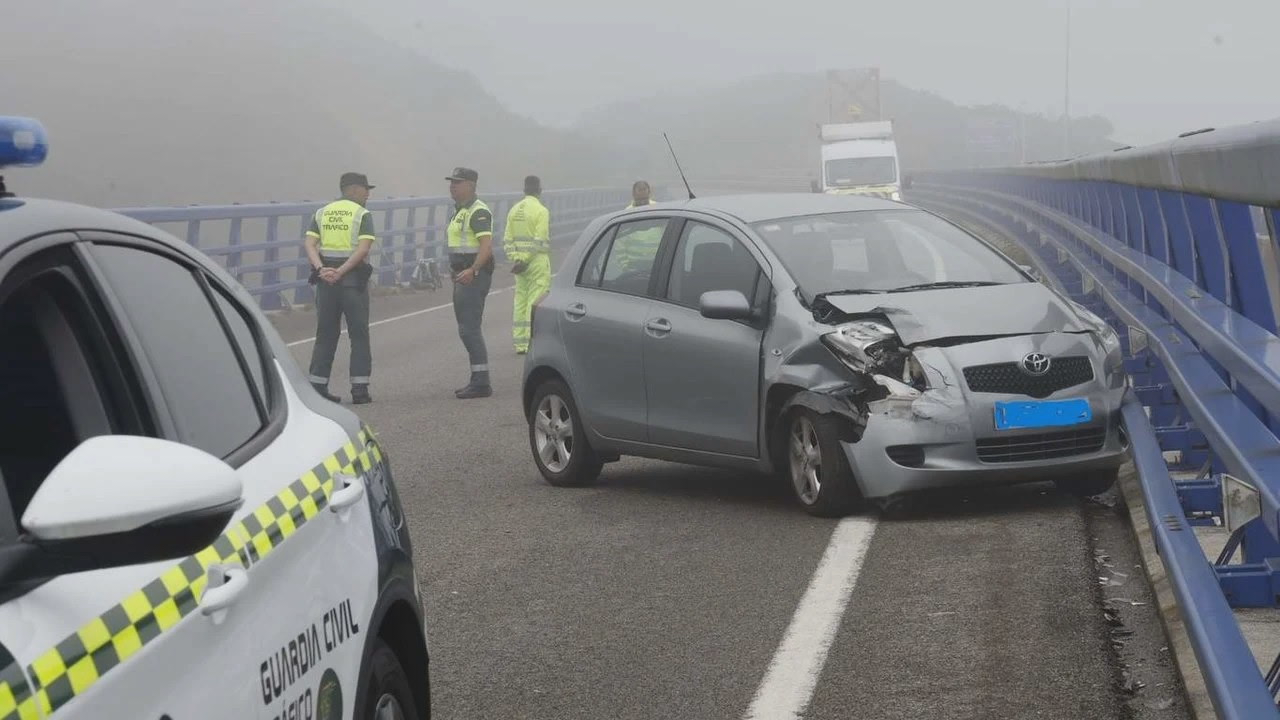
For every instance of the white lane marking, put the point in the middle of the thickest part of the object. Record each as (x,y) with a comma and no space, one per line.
(415,313)
(793,673)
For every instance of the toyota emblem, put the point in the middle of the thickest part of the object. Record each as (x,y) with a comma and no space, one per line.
(1035,363)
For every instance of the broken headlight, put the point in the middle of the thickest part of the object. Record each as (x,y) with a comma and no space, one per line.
(862,345)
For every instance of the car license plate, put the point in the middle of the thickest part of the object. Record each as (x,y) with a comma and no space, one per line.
(1018,415)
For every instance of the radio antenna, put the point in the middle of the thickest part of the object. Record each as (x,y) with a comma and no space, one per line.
(678,168)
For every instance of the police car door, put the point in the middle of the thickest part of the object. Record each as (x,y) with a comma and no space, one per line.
(188,636)
(110,627)
(294,634)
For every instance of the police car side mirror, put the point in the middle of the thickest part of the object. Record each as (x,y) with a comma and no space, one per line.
(122,499)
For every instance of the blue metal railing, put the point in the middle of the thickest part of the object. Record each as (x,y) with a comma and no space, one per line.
(1175,245)
(262,245)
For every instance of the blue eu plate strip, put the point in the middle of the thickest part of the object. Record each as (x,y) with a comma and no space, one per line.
(1043,413)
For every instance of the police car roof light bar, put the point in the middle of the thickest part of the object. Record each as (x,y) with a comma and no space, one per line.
(23,143)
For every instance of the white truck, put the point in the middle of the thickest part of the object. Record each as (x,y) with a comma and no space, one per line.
(860,158)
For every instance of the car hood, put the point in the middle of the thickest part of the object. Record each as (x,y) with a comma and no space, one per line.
(993,310)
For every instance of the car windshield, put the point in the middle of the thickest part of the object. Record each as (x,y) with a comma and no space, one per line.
(846,172)
(882,251)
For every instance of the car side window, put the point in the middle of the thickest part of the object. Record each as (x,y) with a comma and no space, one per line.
(250,350)
(707,259)
(593,267)
(214,404)
(631,256)
(60,382)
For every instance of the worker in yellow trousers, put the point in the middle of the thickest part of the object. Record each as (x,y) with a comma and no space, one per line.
(527,243)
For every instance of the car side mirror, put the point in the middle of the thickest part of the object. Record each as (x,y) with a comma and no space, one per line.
(725,305)
(815,186)
(124,500)
(906,182)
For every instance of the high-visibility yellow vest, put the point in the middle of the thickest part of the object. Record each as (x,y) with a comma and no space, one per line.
(633,203)
(528,230)
(340,226)
(462,239)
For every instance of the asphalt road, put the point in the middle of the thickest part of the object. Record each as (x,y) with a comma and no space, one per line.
(675,592)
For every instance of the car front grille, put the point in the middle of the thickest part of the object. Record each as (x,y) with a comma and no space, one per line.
(1009,377)
(1042,446)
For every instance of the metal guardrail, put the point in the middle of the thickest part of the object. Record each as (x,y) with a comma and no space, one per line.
(1188,275)
(262,245)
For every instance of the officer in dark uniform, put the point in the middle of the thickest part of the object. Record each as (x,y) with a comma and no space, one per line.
(470,240)
(338,243)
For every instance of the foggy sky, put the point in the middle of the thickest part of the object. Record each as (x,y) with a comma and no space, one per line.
(1154,67)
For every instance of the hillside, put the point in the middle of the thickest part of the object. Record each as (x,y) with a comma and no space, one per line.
(182,102)
(770,123)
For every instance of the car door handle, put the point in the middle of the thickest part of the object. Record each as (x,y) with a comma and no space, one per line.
(660,326)
(224,596)
(576,310)
(347,496)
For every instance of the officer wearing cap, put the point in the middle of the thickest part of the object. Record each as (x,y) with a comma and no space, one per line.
(338,243)
(471,259)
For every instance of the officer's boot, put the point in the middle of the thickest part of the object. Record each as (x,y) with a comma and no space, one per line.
(478,388)
(360,395)
(324,392)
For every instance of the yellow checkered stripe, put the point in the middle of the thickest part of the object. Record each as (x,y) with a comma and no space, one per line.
(84,657)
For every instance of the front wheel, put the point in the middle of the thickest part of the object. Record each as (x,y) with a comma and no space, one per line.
(819,473)
(559,439)
(389,696)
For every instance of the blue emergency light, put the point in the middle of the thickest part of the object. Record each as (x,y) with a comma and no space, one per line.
(23,142)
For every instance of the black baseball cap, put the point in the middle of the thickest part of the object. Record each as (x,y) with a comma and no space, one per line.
(354,178)
(461,173)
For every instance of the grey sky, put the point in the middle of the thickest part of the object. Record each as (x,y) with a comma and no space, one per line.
(1155,67)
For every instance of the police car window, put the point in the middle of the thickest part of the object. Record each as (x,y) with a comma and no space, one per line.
(59,381)
(212,401)
(249,348)
(632,255)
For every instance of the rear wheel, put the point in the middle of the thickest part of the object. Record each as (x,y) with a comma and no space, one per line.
(1088,484)
(819,473)
(559,440)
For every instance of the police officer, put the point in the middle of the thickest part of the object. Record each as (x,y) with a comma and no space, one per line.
(527,243)
(338,243)
(636,252)
(641,194)
(471,259)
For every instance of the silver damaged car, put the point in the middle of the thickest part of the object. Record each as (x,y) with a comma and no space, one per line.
(864,349)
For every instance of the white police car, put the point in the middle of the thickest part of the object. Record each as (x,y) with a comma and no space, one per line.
(187,530)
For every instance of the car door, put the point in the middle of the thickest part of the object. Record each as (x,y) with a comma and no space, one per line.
(101,642)
(702,376)
(296,629)
(602,323)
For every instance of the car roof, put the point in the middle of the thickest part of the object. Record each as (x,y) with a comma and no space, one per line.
(760,207)
(21,218)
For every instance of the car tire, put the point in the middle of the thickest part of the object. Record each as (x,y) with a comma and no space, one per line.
(389,691)
(829,489)
(1088,484)
(562,464)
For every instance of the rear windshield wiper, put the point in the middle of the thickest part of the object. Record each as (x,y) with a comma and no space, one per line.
(945,284)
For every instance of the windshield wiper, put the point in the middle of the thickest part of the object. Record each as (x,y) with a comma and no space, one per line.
(863,291)
(945,284)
